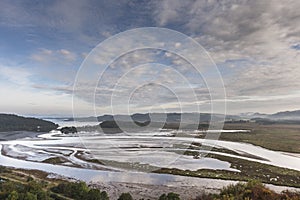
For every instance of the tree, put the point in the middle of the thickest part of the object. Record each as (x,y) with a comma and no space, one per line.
(13,195)
(169,196)
(30,196)
(81,189)
(125,196)
(104,195)
(95,194)
(163,197)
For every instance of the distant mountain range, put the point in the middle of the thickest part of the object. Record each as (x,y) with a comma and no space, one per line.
(290,115)
(10,122)
(192,117)
(156,117)
(285,115)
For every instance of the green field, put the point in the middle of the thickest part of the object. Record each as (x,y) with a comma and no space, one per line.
(278,137)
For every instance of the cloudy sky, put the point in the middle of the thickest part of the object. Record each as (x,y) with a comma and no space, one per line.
(255,46)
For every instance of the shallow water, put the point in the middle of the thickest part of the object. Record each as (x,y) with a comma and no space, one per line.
(156,149)
(145,150)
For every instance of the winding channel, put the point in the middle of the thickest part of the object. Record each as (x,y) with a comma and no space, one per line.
(26,154)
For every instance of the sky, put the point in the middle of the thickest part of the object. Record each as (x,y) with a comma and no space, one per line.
(253,45)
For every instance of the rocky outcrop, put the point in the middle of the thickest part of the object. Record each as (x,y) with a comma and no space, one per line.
(68,130)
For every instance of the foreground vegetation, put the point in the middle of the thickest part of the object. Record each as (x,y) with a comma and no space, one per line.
(17,185)
(252,190)
(34,185)
(79,190)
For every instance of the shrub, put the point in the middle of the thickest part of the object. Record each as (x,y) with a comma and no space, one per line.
(169,196)
(125,196)
(79,191)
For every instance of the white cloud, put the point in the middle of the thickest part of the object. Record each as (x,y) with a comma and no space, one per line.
(260,32)
(54,56)
(19,96)
(251,41)
(15,75)
(28,101)
(67,54)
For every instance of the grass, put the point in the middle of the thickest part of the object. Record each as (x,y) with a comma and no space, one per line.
(123,165)
(55,160)
(34,184)
(248,170)
(253,190)
(278,137)
(19,177)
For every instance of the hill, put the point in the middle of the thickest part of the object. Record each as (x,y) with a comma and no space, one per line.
(11,122)
(158,117)
(288,115)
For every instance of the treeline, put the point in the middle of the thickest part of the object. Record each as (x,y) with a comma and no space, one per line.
(79,191)
(10,122)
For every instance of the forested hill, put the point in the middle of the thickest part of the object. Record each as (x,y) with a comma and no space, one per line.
(10,122)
